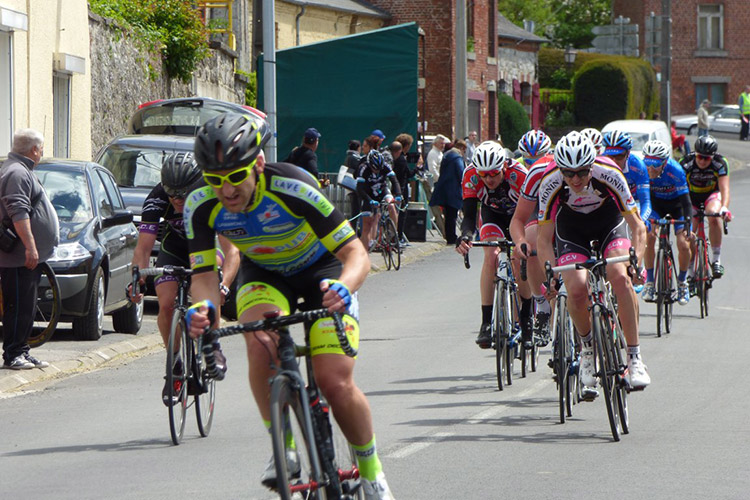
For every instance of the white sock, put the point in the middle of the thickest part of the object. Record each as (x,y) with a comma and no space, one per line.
(717,254)
(542,304)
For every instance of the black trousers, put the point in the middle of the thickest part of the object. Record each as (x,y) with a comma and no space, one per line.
(744,127)
(450,214)
(19,286)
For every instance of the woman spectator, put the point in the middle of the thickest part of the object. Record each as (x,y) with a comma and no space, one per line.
(447,191)
(401,169)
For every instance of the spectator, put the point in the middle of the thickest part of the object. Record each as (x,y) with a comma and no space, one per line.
(447,191)
(703,118)
(380,135)
(435,157)
(471,145)
(304,155)
(401,168)
(26,209)
(352,162)
(678,141)
(642,115)
(744,103)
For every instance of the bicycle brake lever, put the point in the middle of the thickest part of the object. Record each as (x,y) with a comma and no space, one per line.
(466,261)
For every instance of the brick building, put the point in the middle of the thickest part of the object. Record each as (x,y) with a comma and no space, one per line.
(710,52)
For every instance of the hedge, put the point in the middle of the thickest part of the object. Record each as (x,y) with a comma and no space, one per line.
(513,120)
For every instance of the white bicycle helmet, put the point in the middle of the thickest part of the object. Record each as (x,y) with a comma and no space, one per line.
(595,137)
(574,151)
(489,156)
(534,143)
(657,149)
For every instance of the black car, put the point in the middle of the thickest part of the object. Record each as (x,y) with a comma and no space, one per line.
(97,240)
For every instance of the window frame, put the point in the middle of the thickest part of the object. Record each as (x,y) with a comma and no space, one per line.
(707,17)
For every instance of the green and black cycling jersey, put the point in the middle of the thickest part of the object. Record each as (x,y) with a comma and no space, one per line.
(157,207)
(288,226)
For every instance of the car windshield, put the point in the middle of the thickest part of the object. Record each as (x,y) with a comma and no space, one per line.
(69,193)
(639,140)
(134,167)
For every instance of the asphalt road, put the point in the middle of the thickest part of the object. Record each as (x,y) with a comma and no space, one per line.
(444,431)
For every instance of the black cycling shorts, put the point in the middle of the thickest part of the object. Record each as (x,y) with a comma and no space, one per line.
(661,208)
(574,232)
(494,224)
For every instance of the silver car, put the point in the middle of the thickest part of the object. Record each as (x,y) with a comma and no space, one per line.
(724,119)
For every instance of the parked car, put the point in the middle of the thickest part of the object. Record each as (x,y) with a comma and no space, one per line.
(641,131)
(726,118)
(97,240)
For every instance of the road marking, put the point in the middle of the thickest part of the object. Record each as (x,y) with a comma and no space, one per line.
(429,439)
(727,308)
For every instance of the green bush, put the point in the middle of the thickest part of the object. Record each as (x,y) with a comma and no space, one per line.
(251,91)
(513,120)
(173,28)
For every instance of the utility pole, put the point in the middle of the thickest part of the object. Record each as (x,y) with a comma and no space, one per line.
(462,102)
(257,43)
(666,60)
(269,75)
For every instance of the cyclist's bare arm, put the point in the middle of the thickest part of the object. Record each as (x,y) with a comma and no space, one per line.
(724,190)
(524,209)
(356,264)
(545,251)
(231,261)
(203,286)
(141,254)
(638,232)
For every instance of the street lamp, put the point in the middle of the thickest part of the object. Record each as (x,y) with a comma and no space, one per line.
(570,56)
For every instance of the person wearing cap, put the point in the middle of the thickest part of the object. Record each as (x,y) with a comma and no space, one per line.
(380,135)
(703,118)
(304,155)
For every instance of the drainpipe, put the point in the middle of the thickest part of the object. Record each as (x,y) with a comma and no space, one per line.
(296,20)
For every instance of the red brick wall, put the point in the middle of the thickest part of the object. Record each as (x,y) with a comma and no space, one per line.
(437,19)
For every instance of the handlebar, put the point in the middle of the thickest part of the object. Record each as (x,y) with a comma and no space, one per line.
(503,244)
(589,264)
(524,249)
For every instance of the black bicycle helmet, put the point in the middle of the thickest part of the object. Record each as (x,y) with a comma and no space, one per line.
(230,140)
(375,160)
(706,145)
(178,172)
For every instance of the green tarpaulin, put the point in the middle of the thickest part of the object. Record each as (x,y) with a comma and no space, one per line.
(346,88)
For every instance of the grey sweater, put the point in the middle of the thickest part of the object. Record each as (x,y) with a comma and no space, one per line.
(18,187)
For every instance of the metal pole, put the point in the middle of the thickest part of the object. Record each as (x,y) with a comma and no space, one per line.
(462,102)
(269,75)
(666,59)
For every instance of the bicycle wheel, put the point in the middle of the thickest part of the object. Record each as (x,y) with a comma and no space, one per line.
(205,392)
(622,392)
(291,432)
(507,333)
(48,306)
(498,338)
(671,289)
(385,248)
(177,376)
(393,244)
(605,370)
(660,289)
(560,363)
(701,276)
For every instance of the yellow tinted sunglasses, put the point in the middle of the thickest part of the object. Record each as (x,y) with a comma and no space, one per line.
(235,177)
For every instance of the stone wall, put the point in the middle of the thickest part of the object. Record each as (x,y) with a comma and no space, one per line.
(121,79)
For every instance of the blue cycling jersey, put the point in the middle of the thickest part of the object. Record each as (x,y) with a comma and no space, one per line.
(640,187)
(671,184)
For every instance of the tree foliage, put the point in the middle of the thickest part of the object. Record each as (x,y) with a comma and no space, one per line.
(173,28)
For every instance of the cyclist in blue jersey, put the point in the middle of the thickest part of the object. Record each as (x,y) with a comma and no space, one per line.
(533,145)
(669,195)
(617,146)
(295,245)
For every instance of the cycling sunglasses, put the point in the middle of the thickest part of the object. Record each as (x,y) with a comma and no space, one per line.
(654,163)
(180,194)
(489,173)
(235,177)
(704,157)
(581,172)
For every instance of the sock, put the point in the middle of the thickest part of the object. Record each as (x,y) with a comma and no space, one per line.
(542,304)
(587,340)
(487,314)
(717,254)
(682,276)
(368,461)
(634,352)
(525,307)
(650,275)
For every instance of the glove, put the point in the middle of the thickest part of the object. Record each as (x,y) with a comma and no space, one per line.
(724,212)
(340,289)
(374,203)
(398,199)
(196,307)
(462,238)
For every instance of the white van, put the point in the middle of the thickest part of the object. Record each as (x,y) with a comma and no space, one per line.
(641,131)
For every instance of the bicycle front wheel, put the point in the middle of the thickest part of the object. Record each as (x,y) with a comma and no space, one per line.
(660,289)
(393,244)
(671,282)
(204,389)
(563,356)
(499,339)
(606,370)
(48,307)
(385,246)
(701,276)
(178,368)
(295,455)
(508,323)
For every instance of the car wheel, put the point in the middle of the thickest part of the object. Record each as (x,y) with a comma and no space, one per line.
(692,129)
(89,327)
(128,319)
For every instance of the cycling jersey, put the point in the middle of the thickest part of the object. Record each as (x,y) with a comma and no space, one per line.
(288,226)
(636,174)
(530,188)
(702,182)
(670,184)
(607,186)
(157,207)
(374,185)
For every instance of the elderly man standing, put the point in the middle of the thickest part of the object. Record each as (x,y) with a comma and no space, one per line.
(471,145)
(25,210)
(703,118)
(435,156)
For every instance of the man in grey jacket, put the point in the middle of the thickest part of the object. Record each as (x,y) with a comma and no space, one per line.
(25,208)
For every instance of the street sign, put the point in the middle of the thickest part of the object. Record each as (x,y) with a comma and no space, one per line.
(619,38)
(613,29)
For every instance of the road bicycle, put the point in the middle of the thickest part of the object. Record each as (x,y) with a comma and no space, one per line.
(299,414)
(703,277)
(48,307)
(506,328)
(387,239)
(665,275)
(187,372)
(609,341)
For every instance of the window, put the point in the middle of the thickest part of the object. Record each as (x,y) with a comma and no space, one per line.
(714,92)
(711,27)
(6,91)
(99,193)
(112,191)
(61,103)
(491,26)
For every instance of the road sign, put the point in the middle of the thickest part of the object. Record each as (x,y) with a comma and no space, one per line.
(613,29)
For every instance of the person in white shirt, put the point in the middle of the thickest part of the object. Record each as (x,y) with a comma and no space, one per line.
(435,156)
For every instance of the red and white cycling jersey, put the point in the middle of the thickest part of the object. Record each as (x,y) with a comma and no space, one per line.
(504,198)
(530,188)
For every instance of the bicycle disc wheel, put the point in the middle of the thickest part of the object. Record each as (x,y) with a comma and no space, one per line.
(394,245)
(176,376)
(48,306)
(291,432)
(498,338)
(602,337)
(205,396)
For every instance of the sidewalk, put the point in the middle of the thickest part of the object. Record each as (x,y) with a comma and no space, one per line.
(70,358)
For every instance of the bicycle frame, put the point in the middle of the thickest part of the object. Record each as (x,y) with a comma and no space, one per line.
(665,274)
(702,271)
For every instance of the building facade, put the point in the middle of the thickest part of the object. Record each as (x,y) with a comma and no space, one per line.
(710,52)
(45,81)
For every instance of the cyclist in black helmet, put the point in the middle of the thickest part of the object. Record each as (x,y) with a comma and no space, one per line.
(166,202)
(295,244)
(373,176)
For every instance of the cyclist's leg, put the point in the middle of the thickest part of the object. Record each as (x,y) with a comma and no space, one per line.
(489,231)
(166,291)
(535,276)
(715,226)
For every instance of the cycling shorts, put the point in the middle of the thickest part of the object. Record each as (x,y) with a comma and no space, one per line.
(266,287)
(366,208)
(661,208)
(574,232)
(494,224)
(697,199)
(168,258)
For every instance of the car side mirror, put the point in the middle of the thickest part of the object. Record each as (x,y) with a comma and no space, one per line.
(120,218)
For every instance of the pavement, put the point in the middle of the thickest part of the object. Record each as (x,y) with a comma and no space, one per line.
(69,358)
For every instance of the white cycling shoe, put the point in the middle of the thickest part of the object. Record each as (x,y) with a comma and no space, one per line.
(637,376)
(378,489)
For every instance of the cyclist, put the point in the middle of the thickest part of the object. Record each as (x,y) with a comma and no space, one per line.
(166,202)
(294,244)
(596,139)
(494,181)
(373,176)
(586,198)
(707,174)
(534,145)
(617,146)
(669,195)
